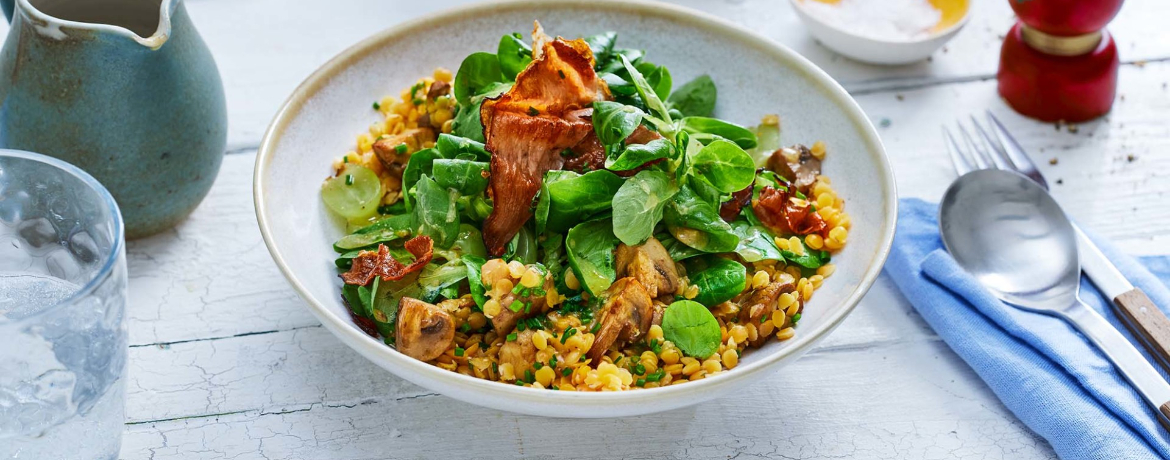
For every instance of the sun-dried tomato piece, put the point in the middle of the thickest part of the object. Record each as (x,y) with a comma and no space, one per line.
(729,209)
(369,264)
(787,215)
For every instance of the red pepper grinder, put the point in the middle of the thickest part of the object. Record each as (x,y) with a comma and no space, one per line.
(1058,63)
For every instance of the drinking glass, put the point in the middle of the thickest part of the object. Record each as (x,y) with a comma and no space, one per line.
(62,312)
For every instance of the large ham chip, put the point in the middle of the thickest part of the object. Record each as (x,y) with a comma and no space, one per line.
(526,129)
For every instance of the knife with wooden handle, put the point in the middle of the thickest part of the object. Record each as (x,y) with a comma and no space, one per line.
(1144,319)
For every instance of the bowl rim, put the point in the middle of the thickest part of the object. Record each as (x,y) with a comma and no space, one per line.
(806,16)
(385,356)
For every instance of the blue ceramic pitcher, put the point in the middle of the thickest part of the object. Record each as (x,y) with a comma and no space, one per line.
(124,89)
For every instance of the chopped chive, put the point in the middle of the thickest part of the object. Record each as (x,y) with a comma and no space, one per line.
(401,148)
(801,195)
(641,382)
(620,358)
(639,369)
(561,73)
(377,106)
(532,111)
(812,208)
(518,288)
(566,371)
(459,351)
(521,326)
(568,333)
(349,179)
(656,375)
(596,327)
(512,337)
(552,362)
(528,377)
(763,319)
(537,365)
(465,327)
(519,383)
(554,387)
(345,159)
(417,101)
(516,306)
(795,318)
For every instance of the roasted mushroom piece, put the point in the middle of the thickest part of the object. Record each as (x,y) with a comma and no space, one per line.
(624,317)
(423,331)
(394,158)
(796,164)
(755,304)
(520,353)
(533,305)
(651,265)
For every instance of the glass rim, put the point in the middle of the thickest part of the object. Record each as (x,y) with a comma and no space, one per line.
(119,230)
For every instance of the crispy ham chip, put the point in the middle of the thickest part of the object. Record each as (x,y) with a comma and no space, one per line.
(786,214)
(528,127)
(369,264)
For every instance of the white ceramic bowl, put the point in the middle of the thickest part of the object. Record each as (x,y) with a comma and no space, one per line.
(755,77)
(886,52)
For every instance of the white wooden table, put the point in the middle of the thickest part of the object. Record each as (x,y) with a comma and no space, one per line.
(226,361)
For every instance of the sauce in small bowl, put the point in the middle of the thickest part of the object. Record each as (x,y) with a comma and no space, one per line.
(883,32)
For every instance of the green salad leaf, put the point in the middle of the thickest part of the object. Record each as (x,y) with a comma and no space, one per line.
(717,278)
(704,128)
(602,47)
(658,77)
(645,91)
(435,214)
(590,247)
(382,231)
(467,123)
(466,177)
(514,53)
(755,242)
(475,278)
(614,122)
(695,98)
(522,247)
(635,155)
(477,72)
(420,164)
(638,204)
(574,197)
(451,146)
(726,166)
(691,327)
(675,248)
(696,222)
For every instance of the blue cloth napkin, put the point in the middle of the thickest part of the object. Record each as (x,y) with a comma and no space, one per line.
(1042,369)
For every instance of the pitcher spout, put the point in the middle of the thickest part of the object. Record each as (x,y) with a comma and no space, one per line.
(146,22)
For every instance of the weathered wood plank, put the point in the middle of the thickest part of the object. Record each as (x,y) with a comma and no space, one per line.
(849,403)
(264,48)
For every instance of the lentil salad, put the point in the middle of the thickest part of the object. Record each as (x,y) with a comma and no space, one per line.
(559,215)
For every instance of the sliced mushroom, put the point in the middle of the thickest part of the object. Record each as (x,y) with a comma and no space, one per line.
(755,304)
(520,353)
(626,315)
(506,319)
(437,89)
(386,148)
(423,331)
(651,265)
(797,164)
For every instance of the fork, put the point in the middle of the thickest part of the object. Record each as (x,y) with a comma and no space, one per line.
(994,147)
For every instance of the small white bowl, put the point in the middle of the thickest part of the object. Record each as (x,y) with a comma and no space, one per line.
(882,51)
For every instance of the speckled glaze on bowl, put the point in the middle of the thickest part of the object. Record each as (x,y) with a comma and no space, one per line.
(755,77)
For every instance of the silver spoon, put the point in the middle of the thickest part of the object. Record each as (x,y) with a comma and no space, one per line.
(1013,237)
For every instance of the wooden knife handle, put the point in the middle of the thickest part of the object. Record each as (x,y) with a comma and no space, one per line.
(1147,322)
